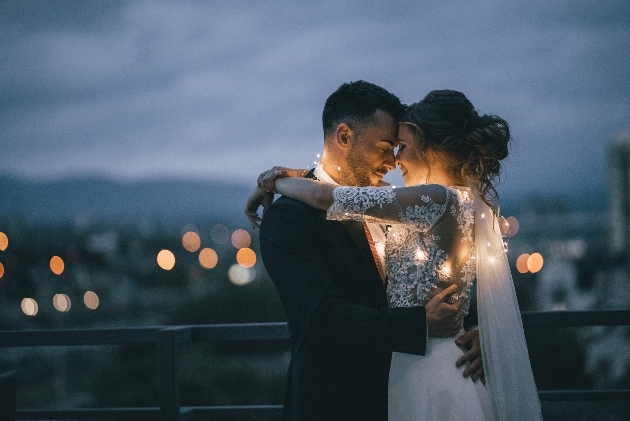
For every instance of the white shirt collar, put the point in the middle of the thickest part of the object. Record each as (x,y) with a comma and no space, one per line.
(322,175)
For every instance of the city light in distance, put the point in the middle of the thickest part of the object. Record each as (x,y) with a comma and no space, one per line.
(62,303)
(56,265)
(90,299)
(521,263)
(241,239)
(513,226)
(29,306)
(208,258)
(246,257)
(535,262)
(166,259)
(529,262)
(239,275)
(508,226)
(4,241)
(220,234)
(191,241)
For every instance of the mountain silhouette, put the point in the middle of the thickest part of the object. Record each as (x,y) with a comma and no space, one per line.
(59,200)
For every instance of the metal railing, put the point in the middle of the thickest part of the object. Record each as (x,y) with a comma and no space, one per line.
(168,340)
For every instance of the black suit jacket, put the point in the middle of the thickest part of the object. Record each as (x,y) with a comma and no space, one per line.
(342,333)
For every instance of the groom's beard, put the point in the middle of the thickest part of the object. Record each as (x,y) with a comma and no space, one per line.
(358,174)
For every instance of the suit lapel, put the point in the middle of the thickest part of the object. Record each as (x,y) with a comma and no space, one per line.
(357,233)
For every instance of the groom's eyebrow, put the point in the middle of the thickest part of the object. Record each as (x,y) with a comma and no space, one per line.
(393,143)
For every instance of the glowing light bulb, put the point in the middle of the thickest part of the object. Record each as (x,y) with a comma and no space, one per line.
(420,254)
(446,270)
(483,215)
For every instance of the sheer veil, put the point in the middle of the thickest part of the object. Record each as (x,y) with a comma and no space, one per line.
(509,379)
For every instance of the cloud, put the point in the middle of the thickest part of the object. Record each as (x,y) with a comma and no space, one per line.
(222,90)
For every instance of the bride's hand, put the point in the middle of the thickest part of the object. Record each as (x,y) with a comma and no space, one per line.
(267,179)
(258,197)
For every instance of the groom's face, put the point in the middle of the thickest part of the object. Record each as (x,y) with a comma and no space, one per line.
(371,154)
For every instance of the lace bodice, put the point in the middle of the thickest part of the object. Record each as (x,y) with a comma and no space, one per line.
(430,238)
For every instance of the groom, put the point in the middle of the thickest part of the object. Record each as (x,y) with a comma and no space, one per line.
(330,279)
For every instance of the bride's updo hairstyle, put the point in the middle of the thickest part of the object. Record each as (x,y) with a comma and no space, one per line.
(447,123)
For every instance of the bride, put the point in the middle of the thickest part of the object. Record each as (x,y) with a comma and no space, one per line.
(442,230)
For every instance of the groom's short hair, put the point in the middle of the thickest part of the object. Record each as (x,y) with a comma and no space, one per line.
(355,103)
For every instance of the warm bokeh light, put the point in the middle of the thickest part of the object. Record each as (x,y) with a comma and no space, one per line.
(208,258)
(240,276)
(220,234)
(166,259)
(513,226)
(521,263)
(57,265)
(191,241)
(62,303)
(91,300)
(1,270)
(4,241)
(29,307)
(535,262)
(241,239)
(504,226)
(246,257)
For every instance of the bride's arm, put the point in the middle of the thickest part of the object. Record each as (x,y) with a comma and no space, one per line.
(314,193)
(422,205)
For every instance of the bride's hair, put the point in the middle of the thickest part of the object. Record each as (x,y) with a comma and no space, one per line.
(446,122)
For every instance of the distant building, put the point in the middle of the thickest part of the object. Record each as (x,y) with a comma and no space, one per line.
(619,170)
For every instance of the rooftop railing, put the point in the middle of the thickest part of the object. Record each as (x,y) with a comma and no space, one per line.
(168,340)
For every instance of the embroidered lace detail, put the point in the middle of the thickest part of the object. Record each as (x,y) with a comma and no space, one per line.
(467,277)
(422,256)
(352,202)
(466,215)
(424,216)
(413,260)
(417,264)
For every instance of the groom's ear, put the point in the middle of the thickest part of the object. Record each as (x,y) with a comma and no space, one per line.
(343,136)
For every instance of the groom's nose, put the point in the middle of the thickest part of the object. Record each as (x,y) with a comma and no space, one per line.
(390,162)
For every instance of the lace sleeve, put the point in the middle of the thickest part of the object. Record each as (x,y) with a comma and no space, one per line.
(421,205)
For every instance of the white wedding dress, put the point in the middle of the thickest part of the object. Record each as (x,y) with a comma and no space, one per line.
(430,244)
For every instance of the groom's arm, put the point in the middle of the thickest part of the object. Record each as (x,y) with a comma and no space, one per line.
(309,294)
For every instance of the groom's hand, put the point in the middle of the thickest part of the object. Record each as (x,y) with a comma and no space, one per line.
(444,319)
(470,340)
(258,197)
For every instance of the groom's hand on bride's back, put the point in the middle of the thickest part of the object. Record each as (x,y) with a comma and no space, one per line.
(443,318)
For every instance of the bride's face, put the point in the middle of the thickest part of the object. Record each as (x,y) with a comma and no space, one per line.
(410,159)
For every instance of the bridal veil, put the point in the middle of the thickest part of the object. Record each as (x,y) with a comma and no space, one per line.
(509,379)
